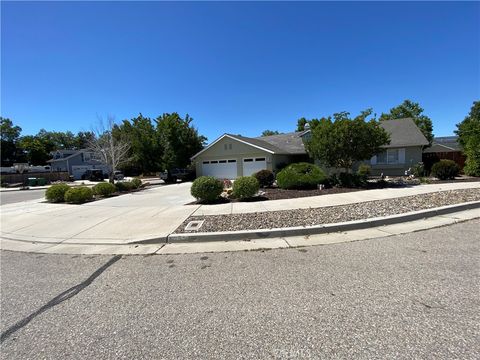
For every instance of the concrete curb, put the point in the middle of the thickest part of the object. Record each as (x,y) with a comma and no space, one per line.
(317,229)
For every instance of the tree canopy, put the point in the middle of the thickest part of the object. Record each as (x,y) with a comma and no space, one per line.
(468,132)
(343,141)
(270,132)
(162,143)
(413,110)
(9,137)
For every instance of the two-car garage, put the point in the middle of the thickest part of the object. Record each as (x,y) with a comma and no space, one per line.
(228,168)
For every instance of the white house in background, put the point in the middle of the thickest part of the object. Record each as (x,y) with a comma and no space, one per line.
(75,162)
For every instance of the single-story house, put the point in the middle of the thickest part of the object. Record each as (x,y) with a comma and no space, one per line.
(231,156)
(446,147)
(75,162)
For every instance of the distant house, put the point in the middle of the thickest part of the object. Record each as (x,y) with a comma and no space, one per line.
(231,156)
(75,162)
(446,147)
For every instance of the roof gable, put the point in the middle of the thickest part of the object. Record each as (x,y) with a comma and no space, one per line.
(403,132)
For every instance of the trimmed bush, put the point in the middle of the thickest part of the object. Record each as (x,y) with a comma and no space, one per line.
(351,180)
(300,176)
(136,182)
(245,187)
(56,193)
(104,189)
(364,171)
(265,178)
(78,195)
(206,188)
(124,186)
(445,169)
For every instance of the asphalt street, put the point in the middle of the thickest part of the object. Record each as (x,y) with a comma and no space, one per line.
(15,196)
(408,296)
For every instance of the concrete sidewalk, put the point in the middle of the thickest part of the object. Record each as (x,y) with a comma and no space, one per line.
(239,245)
(152,214)
(329,200)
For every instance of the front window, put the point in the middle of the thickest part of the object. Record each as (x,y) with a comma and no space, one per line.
(391,156)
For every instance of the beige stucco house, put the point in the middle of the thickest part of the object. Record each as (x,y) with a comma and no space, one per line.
(231,156)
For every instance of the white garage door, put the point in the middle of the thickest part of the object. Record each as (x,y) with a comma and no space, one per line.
(221,169)
(253,165)
(79,170)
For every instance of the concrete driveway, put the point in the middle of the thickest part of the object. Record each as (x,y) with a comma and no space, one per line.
(149,214)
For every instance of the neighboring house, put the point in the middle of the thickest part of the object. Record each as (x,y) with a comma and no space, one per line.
(75,162)
(446,147)
(404,151)
(231,156)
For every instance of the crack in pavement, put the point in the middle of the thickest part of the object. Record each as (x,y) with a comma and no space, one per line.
(67,294)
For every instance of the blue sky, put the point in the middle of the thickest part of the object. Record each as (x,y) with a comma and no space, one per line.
(235,67)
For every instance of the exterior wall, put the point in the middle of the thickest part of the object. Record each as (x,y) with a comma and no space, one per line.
(238,151)
(413,155)
(77,160)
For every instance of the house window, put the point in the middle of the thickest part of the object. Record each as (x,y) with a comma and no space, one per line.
(260,159)
(222,161)
(247,160)
(229,146)
(390,157)
(232,161)
(206,162)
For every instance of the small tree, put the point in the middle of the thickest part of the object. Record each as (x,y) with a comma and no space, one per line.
(110,150)
(342,142)
(469,138)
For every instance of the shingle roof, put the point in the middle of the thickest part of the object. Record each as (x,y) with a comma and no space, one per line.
(291,143)
(258,142)
(403,132)
(444,144)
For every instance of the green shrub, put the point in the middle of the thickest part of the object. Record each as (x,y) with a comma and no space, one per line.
(206,188)
(418,170)
(364,171)
(300,176)
(56,193)
(245,187)
(351,180)
(137,183)
(472,152)
(445,169)
(104,189)
(78,195)
(124,186)
(265,178)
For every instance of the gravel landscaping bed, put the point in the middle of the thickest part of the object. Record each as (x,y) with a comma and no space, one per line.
(331,214)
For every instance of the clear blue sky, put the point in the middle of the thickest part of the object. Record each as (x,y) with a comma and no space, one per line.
(235,67)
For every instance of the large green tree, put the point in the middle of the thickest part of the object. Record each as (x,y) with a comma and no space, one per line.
(179,140)
(35,150)
(343,141)
(9,136)
(468,132)
(413,110)
(145,148)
